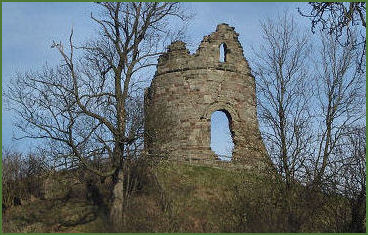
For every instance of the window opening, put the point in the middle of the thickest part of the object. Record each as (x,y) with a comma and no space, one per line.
(221,137)
(223,52)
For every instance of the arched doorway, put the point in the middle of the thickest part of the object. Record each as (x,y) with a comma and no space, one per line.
(221,135)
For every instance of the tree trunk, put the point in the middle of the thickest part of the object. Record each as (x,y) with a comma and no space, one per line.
(116,211)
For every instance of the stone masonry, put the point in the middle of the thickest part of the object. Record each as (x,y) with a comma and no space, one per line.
(187,89)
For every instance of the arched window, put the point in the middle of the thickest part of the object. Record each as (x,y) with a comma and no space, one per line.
(221,137)
(223,52)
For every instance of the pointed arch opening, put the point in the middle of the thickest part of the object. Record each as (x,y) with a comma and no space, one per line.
(222,52)
(222,135)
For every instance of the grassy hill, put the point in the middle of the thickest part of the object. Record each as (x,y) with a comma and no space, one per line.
(188,198)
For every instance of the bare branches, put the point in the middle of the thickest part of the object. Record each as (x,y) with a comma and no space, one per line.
(340,94)
(304,118)
(342,20)
(90,107)
(281,76)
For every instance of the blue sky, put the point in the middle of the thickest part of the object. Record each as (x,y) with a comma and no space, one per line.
(28,30)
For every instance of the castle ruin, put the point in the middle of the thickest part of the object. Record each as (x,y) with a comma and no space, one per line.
(188,88)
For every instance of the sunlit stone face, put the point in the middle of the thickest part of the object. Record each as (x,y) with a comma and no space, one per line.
(189,90)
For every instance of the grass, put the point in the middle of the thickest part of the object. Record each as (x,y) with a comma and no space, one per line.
(200,196)
(189,198)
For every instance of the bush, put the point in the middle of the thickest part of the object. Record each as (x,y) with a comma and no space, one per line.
(22,177)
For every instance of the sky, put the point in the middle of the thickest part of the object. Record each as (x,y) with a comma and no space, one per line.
(28,30)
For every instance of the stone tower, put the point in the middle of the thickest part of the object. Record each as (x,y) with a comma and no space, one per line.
(187,89)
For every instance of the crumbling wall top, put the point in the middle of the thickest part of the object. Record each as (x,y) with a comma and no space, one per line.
(178,58)
(177,47)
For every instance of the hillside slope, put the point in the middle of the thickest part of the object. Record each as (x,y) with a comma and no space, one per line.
(188,198)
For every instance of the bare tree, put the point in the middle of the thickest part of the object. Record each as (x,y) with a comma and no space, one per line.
(341,19)
(281,71)
(340,100)
(86,107)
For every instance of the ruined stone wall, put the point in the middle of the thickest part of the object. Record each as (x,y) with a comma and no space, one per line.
(187,89)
